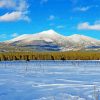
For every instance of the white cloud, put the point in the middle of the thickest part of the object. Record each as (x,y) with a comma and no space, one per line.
(87,26)
(7,3)
(85,8)
(15,34)
(51,17)
(10,16)
(13,16)
(20,10)
(22,6)
(82,9)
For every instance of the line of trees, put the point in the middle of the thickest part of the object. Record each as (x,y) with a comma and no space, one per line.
(50,56)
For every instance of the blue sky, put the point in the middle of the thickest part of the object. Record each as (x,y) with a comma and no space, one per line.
(66,17)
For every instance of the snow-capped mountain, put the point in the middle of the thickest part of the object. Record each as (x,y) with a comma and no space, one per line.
(48,36)
(53,41)
(76,38)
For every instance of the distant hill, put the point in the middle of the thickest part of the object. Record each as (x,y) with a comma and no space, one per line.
(50,41)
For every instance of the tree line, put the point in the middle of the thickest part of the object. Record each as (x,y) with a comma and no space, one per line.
(72,55)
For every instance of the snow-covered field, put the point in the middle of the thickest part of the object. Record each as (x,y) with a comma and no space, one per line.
(50,80)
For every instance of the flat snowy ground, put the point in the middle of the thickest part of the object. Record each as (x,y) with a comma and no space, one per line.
(50,80)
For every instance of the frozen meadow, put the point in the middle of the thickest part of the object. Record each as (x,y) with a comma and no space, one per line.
(50,80)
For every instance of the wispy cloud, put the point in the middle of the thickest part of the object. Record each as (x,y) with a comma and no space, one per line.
(3,36)
(20,10)
(14,35)
(51,17)
(14,16)
(7,3)
(82,8)
(87,26)
(60,26)
(85,8)
(43,1)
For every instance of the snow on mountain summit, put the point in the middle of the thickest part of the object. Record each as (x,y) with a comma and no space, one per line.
(49,32)
(82,39)
(50,36)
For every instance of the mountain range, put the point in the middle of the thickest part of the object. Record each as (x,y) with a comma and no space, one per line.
(50,41)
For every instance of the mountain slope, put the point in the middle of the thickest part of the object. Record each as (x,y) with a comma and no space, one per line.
(82,42)
(52,41)
(81,39)
(48,36)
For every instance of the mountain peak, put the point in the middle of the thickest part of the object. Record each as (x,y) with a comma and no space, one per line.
(79,35)
(77,38)
(50,39)
(49,32)
(51,35)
